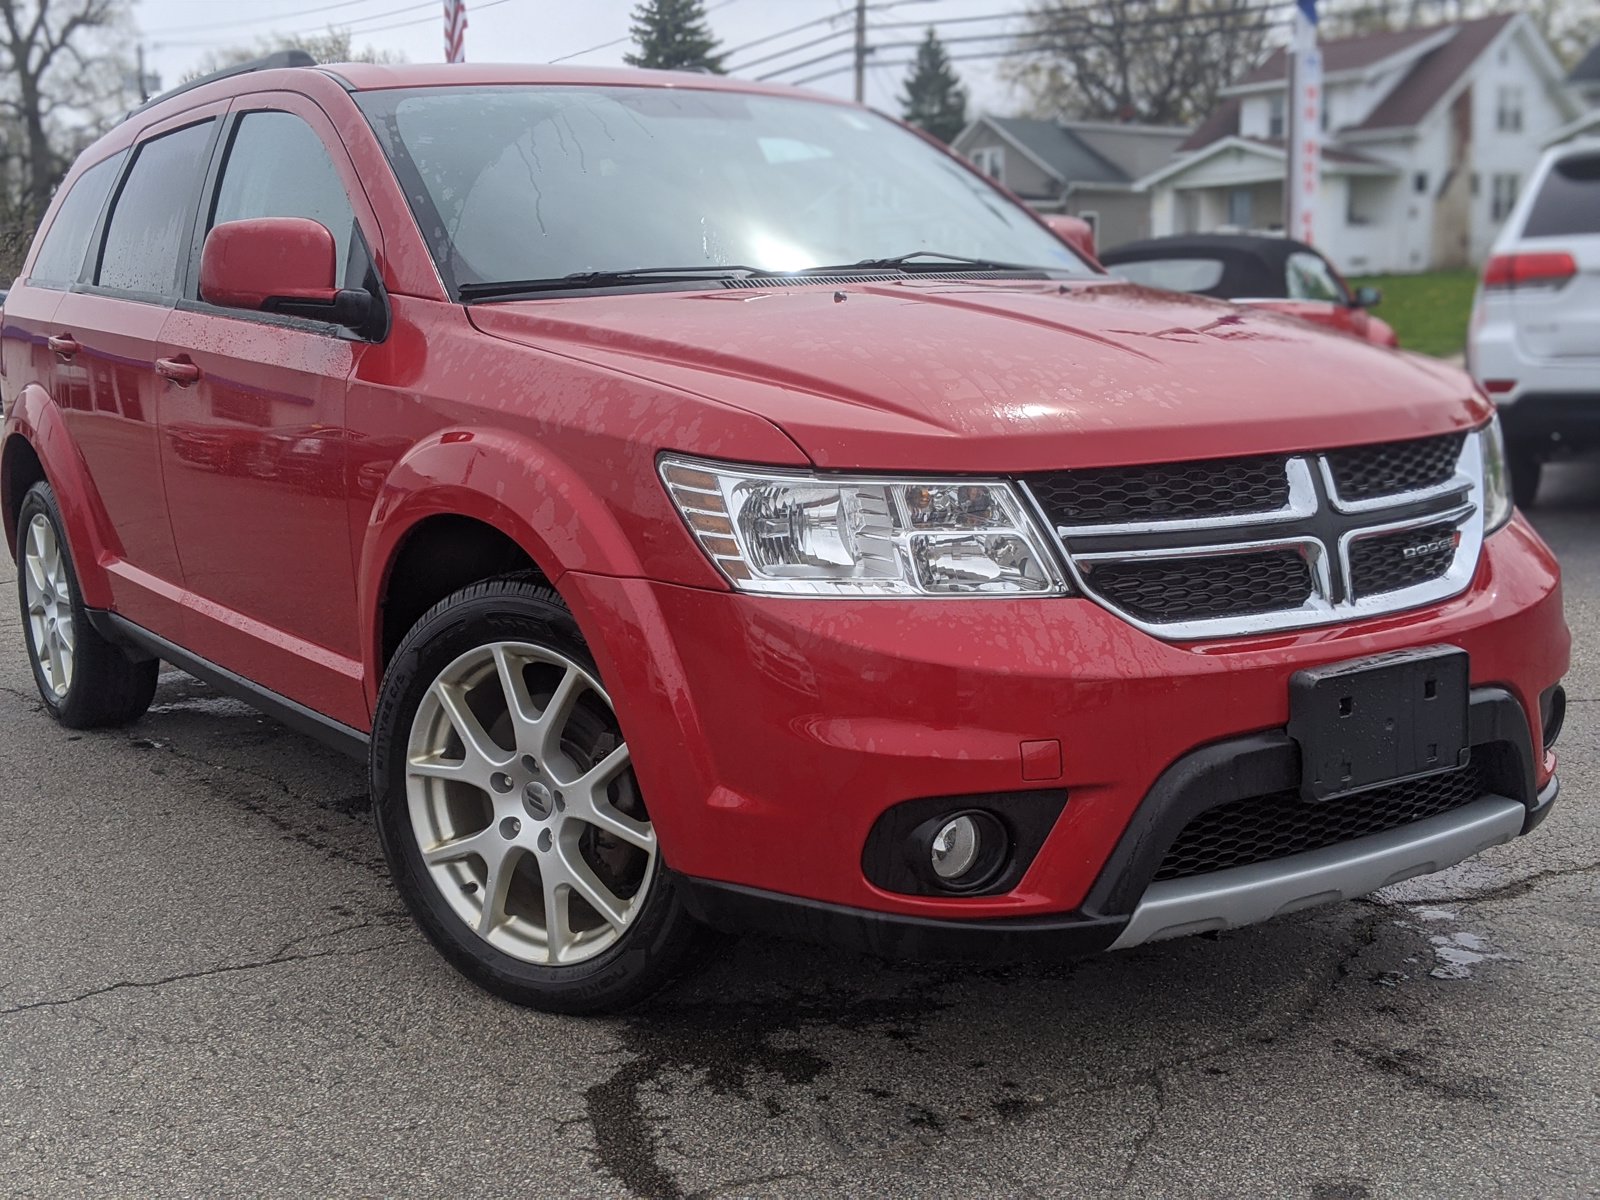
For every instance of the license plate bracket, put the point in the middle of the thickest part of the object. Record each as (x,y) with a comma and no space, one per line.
(1368,722)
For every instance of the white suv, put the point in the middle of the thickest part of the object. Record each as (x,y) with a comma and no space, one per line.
(1534,341)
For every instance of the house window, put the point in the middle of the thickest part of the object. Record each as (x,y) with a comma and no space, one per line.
(1503,196)
(1508,109)
(989,160)
(1239,208)
(1419,183)
(1275,120)
(1359,203)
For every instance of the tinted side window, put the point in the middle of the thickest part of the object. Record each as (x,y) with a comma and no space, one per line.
(278,167)
(147,238)
(60,257)
(1311,279)
(1569,201)
(1173,274)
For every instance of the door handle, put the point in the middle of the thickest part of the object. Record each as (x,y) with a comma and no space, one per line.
(63,344)
(180,370)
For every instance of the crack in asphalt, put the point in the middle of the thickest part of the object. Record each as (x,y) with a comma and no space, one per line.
(1513,890)
(230,969)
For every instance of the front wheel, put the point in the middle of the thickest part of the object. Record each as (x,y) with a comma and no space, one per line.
(509,811)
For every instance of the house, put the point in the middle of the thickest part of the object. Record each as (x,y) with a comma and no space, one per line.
(1428,134)
(1086,168)
(1583,82)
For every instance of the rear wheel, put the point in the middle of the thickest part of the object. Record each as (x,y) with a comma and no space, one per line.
(509,811)
(1526,470)
(86,681)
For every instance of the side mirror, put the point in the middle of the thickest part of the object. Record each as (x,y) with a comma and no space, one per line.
(1366,297)
(279,265)
(1075,232)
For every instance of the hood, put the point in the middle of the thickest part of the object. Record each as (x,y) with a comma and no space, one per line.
(1004,375)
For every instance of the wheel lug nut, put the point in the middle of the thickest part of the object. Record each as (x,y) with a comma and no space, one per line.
(500,781)
(545,840)
(561,804)
(510,827)
(530,763)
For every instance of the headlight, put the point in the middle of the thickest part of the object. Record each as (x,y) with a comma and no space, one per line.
(792,534)
(1496,477)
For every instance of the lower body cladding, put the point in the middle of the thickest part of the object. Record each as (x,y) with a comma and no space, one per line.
(1232,802)
(998,779)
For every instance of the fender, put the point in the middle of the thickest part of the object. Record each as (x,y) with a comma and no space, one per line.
(503,479)
(35,418)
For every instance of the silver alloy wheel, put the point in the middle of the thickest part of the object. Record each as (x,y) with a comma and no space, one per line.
(49,598)
(524,805)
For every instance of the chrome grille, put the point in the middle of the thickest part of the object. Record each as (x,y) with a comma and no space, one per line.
(1241,546)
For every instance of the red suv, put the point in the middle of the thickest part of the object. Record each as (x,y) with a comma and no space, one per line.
(708,504)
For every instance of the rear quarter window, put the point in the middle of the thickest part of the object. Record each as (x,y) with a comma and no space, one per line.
(61,253)
(1173,274)
(1568,201)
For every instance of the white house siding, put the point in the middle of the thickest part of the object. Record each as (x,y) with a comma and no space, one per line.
(1496,152)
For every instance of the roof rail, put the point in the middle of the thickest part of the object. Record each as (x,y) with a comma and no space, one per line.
(269,62)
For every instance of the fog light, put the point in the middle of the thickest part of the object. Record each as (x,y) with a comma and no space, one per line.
(961,851)
(955,848)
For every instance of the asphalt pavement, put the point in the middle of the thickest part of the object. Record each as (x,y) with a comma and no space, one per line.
(208,988)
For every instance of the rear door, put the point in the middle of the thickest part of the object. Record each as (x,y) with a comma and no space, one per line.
(105,334)
(1557,313)
(256,454)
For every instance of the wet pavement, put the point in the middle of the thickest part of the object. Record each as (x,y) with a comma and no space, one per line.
(207,987)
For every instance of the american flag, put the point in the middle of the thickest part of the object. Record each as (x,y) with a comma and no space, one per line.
(455,30)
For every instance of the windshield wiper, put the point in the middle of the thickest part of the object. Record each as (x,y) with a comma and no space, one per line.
(938,261)
(503,288)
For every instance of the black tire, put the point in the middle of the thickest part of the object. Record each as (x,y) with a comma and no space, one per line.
(105,686)
(661,940)
(1526,470)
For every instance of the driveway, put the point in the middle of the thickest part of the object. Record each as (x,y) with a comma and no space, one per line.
(207,987)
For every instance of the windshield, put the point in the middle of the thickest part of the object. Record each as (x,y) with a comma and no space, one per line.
(537,183)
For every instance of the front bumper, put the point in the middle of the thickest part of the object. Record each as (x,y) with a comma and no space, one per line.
(770,735)
(1569,420)
(1125,909)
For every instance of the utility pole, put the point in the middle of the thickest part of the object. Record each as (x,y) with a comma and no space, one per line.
(861,51)
(144,80)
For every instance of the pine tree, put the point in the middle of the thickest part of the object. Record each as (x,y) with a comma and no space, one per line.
(672,35)
(934,99)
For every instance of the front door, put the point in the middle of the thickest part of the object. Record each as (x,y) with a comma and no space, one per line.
(254,443)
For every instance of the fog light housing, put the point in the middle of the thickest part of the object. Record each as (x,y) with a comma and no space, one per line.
(963,851)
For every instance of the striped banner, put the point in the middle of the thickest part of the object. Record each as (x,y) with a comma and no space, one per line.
(455,31)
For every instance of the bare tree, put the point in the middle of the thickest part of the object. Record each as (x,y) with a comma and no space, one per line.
(59,75)
(1157,61)
(333,46)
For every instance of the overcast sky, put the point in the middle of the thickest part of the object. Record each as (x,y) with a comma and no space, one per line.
(177,33)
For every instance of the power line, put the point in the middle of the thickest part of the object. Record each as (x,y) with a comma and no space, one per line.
(1034,40)
(628,37)
(990,55)
(240,24)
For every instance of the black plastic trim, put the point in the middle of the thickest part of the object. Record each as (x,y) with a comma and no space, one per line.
(1027,818)
(1543,803)
(1549,421)
(140,641)
(733,908)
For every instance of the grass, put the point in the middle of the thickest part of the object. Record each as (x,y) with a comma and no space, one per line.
(1429,312)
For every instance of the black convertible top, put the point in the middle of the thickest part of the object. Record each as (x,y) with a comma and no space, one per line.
(1254,266)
